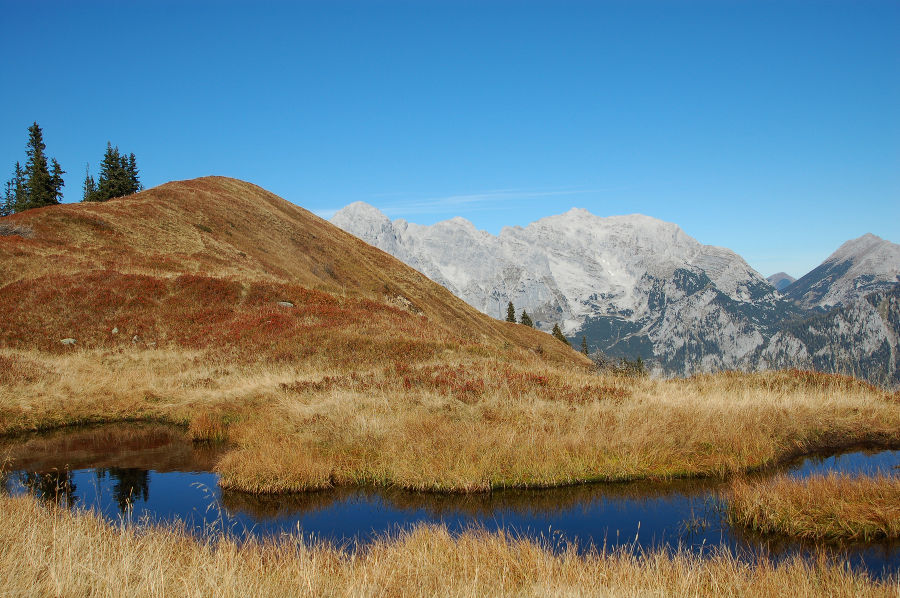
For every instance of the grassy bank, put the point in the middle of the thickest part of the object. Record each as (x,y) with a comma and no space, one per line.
(49,552)
(464,421)
(819,507)
(545,427)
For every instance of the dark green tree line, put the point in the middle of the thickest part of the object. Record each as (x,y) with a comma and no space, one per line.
(118,177)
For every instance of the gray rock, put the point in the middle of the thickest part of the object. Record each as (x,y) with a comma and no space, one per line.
(68,341)
(285,304)
(115,330)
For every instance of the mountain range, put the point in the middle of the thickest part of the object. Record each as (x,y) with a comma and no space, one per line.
(637,286)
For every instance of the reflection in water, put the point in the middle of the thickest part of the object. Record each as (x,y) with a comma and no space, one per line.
(57,486)
(129,484)
(544,502)
(111,469)
(126,445)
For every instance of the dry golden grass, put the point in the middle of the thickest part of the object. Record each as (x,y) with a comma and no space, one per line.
(45,551)
(830,506)
(547,434)
(464,423)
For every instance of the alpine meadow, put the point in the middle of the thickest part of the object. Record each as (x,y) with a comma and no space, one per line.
(322,361)
(456,299)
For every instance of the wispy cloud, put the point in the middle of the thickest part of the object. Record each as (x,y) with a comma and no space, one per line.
(405,204)
(486,200)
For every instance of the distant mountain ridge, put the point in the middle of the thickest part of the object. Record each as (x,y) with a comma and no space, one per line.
(780,280)
(577,253)
(632,285)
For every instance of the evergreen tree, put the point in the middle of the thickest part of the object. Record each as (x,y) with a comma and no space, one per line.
(14,200)
(584,347)
(526,319)
(134,181)
(118,176)
(89,187)
(557,333)
(56,180)
(20,189)
(39,184)
(6,204)
(510,313)
(113,179)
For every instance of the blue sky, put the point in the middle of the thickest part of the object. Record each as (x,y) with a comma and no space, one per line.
(771,128)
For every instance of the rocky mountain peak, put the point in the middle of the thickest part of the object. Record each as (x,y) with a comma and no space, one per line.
(868,246)
(858,267)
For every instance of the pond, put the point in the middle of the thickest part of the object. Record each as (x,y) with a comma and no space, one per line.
(154,473)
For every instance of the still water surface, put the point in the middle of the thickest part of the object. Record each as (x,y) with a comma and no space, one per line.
(147,472)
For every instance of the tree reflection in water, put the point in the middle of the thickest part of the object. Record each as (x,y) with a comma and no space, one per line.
(129,484)
(57,485)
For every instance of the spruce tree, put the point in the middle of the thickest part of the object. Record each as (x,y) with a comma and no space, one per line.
(510,313)
(89,187)
(113,180)
(134,182)
(21,188)
(526,319)
(39,184)
(584,347)
(56,180)
(15,191)
(7,203)
(557,333)
(118,176)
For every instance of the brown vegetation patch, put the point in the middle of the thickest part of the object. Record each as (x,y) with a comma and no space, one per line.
(832,507)
(208,427)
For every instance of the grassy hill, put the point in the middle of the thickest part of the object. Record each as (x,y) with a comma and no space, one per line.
(203,264)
